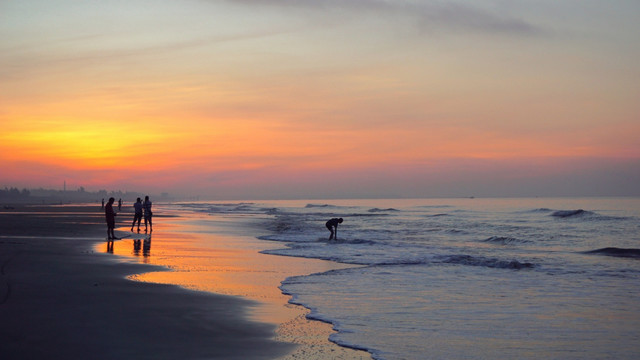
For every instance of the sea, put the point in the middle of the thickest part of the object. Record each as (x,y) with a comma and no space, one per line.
(468,278)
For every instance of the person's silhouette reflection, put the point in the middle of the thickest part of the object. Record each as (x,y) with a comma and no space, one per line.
(110,246)
(146,247)
(137,245)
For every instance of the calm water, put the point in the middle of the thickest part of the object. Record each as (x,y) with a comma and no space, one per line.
(466,278)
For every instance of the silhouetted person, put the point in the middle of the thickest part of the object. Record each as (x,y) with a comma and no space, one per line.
(332,225)
(119,204)
(137,215)
(147,213)
(102,203)
(110,217)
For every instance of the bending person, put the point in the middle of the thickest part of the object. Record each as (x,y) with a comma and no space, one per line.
(332,225)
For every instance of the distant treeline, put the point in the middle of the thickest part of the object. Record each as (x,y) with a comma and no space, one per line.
(47,196)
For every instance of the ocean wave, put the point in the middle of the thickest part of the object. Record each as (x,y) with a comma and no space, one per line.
(617,252)
(348,241)
(505,240)
(372,214)
(466,260)
(382,210)
(311,206)
(456,231)
(539,210)
(584,214)
(270,211)
(438,215)
(286,224)
(469,260)
(220,208)
(244,208)
(571,213)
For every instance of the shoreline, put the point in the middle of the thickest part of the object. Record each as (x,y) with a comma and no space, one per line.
(63,295)
(60,300)
(215,255)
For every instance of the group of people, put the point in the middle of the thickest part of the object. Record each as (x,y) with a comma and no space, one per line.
(141,209)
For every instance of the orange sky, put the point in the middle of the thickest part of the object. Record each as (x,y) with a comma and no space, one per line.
(178,98)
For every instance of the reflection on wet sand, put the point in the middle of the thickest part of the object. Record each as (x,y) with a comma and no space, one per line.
(145,246)
(206,257)
(141,248)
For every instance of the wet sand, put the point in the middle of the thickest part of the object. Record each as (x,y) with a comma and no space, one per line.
(220,254)
(64,294)
(61,300)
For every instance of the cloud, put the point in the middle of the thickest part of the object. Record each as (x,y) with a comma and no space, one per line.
(86,55)
(429,16)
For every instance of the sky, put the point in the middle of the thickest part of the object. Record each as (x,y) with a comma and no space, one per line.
(279,99)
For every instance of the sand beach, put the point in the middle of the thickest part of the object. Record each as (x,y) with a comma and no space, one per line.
(63,297)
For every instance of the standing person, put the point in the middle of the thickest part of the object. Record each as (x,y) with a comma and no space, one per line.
(137,213)
(119,204)
(110,217)
(103,203)
(332,225)
(147,213)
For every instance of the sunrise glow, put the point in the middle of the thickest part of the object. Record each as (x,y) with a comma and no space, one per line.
(224,97)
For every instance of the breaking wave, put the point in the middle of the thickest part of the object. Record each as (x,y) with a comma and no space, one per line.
(438,215)
(348,241)
(312,206)
(584,214)
(617,252)
(571,213)
(381,210)
(469,260)
(505,240)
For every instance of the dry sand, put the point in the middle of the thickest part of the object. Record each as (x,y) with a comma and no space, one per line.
(60,300)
